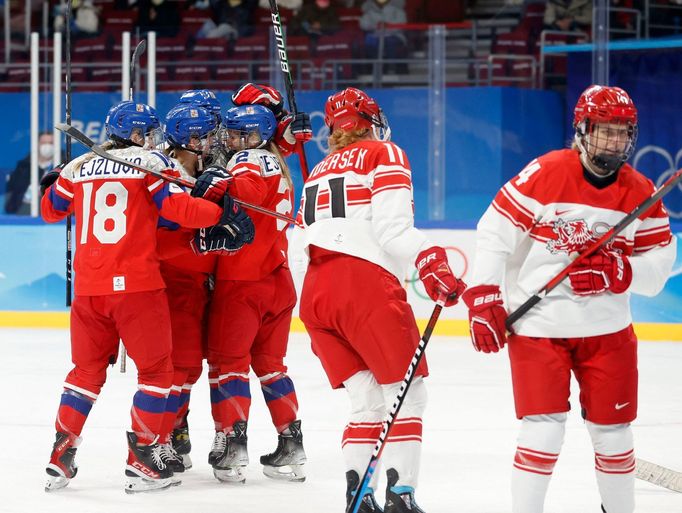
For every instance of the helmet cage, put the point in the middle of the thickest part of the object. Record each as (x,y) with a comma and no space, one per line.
(192,128)
(607,145)
(353,109)
(251,125)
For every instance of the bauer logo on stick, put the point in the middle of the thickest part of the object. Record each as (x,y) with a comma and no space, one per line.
(279,37)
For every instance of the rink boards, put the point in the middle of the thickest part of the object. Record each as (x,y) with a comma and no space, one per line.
(32,285)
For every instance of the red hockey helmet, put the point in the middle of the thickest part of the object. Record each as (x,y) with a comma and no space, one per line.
(603,104)
(353,109)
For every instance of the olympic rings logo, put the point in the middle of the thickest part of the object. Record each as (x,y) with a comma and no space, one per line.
(672,165)
(320,136)
(459,263)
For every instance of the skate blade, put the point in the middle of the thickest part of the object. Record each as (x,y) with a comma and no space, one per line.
(141,484)
(186,461)
(230,475)
(56,483)
(293,473)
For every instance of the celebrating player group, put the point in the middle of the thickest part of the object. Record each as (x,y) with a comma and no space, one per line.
(182,275)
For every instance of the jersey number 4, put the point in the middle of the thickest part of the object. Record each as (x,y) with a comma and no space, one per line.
(109,220)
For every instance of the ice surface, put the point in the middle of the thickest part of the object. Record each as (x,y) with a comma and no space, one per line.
(469,437)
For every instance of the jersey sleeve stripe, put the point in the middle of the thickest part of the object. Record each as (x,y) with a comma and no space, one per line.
(166,162)
(389,188)
(245,167)
(58,202)
(505,204)
(517,199)
(511,218)
(156,184)
(63,191)
(391,153)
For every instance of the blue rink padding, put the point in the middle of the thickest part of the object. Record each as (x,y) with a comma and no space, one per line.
(32,270)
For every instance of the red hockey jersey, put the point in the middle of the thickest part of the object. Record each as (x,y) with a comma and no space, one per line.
(258,179)
(117,209)
(542,218)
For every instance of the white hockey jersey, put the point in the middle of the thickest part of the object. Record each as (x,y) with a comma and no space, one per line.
(541,219)
(358,201)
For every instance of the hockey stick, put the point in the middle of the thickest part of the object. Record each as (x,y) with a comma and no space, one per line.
(601,241)
(101,152)
(288,81)
(388,423)
(660,476)
(67,150)
(139,50)
(137,53)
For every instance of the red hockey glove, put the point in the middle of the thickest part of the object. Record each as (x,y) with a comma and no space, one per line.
(606,270)
(212,184)
(292,130)
(435,273)
(486,318)
(258,94)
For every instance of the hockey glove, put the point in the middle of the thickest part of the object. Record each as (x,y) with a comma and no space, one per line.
(486,318)
(606,270)
(212,184)
(258,94)
(235,230)
(49,178)
(292,130)
(435,273)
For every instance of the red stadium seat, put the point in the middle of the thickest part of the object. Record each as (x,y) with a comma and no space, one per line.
(210,50)
(251,48)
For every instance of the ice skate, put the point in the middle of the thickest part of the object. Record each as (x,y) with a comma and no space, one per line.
(368,503)
(174,461)
(286,463)
(230,467)
(62,467)
(182,443)
(218,447)
(146,469)
(399,499)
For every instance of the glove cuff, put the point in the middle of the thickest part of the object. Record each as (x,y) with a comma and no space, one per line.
(482,297)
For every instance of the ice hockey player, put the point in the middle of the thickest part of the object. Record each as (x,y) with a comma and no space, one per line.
(537,224)
(359,237)
(119,292)
(292,129)
(251,306)
(190,132)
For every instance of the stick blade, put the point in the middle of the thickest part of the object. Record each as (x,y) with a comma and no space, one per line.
(658,475)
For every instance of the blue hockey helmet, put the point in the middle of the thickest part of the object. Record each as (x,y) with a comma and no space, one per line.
(127,117)
(203,98)
(185,122)
(249,121)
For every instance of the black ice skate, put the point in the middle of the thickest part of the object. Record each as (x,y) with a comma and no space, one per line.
(174,461)
(368,503)
(399,499)
(146,469)
(230,467)
(218,448)
(62,467)
(182,443)
(286,463)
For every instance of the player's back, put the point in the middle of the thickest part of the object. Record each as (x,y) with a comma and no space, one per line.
(259,179)
(116,219)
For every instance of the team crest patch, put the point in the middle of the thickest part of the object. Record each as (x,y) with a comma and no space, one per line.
(571,235)
(139,107)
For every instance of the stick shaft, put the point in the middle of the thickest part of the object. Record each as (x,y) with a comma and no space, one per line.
(67,152)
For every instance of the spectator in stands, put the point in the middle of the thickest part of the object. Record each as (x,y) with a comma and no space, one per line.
(568,15)
(622,24)
(84,18)
(376,14)
(292,5)
(161,16)
(316,18)
(230,19)
(18,196)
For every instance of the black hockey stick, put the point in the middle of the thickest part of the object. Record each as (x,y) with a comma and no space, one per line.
(137,53)
(101,152)
(660,476)
(67,150)
(139,50)
(288,81)
(640,210)
(388,423)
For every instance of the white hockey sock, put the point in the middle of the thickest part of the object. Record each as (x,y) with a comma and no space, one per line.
(365,423)
(614,459)
(404,444)
(539,444)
